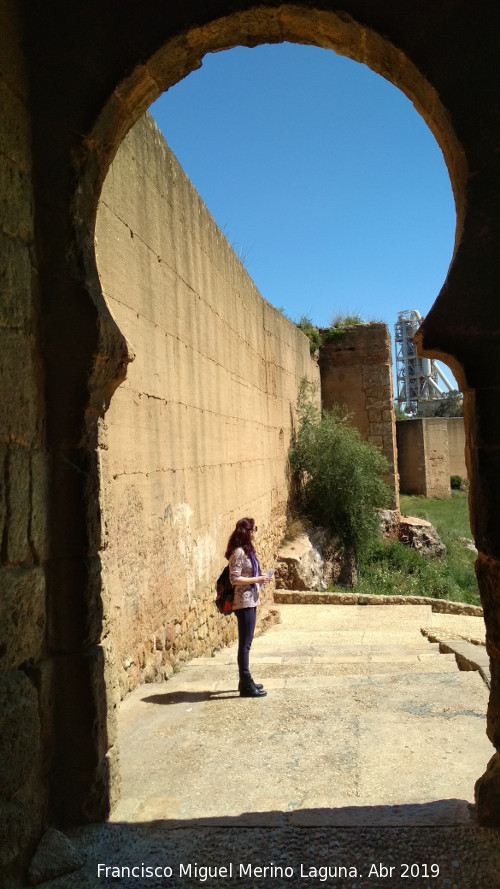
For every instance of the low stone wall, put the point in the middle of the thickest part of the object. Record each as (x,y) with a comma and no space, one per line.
(441,606)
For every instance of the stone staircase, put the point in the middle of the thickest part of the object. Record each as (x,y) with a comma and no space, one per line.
(365,721)
(363,754)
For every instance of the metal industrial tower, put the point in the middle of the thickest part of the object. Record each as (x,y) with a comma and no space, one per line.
(416,377)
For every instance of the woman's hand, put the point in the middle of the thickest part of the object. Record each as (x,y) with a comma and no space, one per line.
(262,579)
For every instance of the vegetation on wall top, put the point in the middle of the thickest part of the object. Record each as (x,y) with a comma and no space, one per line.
(339,325)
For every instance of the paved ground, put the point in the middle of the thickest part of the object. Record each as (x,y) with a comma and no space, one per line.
(363,756)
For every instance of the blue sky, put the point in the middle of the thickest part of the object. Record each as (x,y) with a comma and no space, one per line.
(321,174)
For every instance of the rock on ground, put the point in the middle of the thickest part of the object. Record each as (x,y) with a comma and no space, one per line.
(308,562)
(55,855)
(421,536)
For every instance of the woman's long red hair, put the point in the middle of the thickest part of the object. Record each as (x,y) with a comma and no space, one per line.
(241,537)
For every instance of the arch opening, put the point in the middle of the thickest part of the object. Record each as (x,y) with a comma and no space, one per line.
(179,513)
(182,55)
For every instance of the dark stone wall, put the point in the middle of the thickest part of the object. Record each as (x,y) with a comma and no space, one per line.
(25,713)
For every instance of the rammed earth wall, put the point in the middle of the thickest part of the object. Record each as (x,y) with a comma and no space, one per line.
(197,435)
(430,450)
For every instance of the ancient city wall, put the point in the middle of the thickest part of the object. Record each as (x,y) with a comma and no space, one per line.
(24,666)
(356,371)
(429,451)
(197,435)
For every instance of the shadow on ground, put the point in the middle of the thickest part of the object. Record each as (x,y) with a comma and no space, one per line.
(377,847)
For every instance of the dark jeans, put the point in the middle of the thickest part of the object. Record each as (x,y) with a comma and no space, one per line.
(246,626)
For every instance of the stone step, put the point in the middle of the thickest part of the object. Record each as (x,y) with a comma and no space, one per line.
(263,671)
(363,719)
(468,656)
(297,666)
(350,634)
(333,653)
(450,689)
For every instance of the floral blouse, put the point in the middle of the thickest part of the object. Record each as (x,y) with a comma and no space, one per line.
(240,565)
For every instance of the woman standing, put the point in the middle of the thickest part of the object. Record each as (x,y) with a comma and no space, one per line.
(245,574)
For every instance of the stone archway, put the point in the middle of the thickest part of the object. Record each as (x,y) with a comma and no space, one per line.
(176,57)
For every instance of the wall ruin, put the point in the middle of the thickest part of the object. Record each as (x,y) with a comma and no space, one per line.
(197,435)
(430,450)
(356,371)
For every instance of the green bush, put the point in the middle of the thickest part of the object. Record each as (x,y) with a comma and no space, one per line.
(455,482)
(339,474)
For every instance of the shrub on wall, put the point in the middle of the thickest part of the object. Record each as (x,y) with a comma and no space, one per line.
(338,474)
(340,324)
(312,333)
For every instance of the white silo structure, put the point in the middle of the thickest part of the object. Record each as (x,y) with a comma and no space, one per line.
(416,378)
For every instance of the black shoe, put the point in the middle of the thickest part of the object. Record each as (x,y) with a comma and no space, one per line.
(257,684)
(248,689)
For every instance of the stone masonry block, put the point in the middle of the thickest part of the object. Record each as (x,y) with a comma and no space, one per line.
(13,71)
(16,199)
(3,490)
(41,675)
(18,387)
(380,429)
(39,505)
(15,136)
(19,733)
(488,578)
(22,616)
(18,478)
(484,496)
(15,282)
(14,831)
(375,376)
(487,794)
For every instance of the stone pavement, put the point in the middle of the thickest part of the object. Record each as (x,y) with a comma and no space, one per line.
(361,711)
(363,755)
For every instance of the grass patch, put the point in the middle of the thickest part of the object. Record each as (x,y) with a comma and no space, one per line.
(394,569)
(449,517)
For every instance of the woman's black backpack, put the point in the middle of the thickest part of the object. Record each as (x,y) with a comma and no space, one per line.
(225,593)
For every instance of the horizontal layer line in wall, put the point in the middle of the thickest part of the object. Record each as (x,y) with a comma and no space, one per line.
(209,222)
(234,331)
(209,306)
(235,379)
(229,418)
(259,461)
